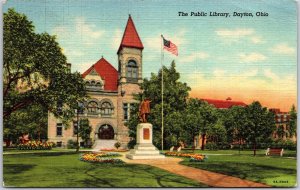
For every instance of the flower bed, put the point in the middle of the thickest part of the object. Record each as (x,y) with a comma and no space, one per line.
(36,145)
(193,156)
(101,157)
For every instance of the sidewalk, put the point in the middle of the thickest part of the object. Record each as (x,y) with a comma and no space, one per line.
(210,178)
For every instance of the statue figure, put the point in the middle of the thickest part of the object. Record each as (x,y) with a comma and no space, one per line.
(144,110)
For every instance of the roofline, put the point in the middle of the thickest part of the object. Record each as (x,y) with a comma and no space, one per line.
(122,46)
(124,36)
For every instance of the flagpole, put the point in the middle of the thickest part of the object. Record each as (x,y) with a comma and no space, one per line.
(162,94)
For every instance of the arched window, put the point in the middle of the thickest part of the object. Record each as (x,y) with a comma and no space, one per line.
(99,84)
(106,108)
(92,107)
(93,83)
(132,69)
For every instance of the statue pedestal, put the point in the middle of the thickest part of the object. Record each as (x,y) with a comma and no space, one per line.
(144,149)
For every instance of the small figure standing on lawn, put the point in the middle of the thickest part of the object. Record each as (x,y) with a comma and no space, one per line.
(144,110)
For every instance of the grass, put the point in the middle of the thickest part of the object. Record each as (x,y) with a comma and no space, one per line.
(15,150)
(286,153)
(274,171)
(63,169)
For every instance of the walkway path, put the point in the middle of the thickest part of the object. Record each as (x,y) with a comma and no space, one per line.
(210,178)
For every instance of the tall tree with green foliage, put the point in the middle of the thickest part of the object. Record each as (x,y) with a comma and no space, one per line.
(30,120)
(292,128)
(280,132)
(236,122)
(85,130)
(260,126)
(175,131)
(175,95)
(35,71)
(199,118)
(217,133)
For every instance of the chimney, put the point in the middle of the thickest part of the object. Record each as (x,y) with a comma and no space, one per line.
(228,99)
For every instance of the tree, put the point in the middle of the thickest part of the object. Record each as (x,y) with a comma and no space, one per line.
(236,122)
(35,71)
(175,132)
(175,95)
(260,126)
(217,133)
(280,131)
(292,127)
(30,120)
(199,117)
(84,130)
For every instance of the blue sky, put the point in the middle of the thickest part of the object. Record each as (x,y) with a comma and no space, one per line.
(250,58)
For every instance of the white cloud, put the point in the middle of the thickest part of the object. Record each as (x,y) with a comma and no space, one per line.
(219,73)
(86,29)
(195,56)
(284,48)
(269,74)
(116,39)
(81,31)
(83,66)
(251,57)
(229,36)
(256,40)
(237,33)
(61,32)
(247,74)
(154,42)
(73,52)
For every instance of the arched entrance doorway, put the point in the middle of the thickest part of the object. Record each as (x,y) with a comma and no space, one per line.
(106,132)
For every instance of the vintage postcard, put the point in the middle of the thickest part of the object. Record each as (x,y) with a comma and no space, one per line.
(149,93)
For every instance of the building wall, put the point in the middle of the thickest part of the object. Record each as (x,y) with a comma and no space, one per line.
(126,90)
(96,120)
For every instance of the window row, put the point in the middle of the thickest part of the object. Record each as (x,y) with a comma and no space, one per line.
(94,83)
(105,108)
(59,129)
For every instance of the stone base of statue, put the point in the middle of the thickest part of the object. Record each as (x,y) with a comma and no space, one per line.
(144,149)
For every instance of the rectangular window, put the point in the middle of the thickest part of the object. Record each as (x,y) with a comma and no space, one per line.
(125,111)
(59,129)
(134,73)
(59,144)
(75,127)
(129,72)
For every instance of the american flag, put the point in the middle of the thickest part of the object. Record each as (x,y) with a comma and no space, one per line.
(169,46)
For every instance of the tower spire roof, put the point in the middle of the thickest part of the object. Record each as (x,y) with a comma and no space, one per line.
(131,37)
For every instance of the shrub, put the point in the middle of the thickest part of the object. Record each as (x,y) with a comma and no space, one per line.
(117,145)
(211,146)
(290,145)
(131,144)
(71,144)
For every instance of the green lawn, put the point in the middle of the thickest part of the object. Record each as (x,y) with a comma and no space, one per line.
(15,150)
(65,170)
(286,153)
(274,171)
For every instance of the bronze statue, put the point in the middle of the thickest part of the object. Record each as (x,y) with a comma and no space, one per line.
(144,110)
